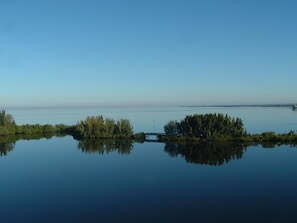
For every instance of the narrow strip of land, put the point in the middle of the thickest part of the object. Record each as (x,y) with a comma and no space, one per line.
(243,105)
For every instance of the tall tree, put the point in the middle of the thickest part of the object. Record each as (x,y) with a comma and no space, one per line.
(6,119)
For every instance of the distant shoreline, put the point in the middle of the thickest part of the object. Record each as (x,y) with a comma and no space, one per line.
(152,106)
(237,106)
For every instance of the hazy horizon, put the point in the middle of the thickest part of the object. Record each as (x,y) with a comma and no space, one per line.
(145,106)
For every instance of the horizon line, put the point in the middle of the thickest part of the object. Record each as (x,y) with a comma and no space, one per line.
(153,105)
(242,105)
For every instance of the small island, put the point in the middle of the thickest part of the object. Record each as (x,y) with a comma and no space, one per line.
(219,127)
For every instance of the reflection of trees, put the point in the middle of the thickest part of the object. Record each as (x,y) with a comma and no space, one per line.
(208,153)
(105,146)
(6,145)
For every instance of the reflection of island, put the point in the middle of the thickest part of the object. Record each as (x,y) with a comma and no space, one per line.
(106,146)
(208,153)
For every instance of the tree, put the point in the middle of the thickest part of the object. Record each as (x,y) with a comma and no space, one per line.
(171,128)
(205,126)
(109,127)
(6,120)
(96,127)
(7,123)
(124,128)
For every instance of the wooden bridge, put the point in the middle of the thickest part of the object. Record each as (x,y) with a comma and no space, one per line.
(153,136)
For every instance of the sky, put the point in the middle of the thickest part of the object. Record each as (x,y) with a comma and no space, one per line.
(147,52)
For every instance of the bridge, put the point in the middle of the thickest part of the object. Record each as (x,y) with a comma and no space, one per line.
(153,136)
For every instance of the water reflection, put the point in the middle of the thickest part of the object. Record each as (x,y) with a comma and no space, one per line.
(209,153)
(6,145)
(106,146)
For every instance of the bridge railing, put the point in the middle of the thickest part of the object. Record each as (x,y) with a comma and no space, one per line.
(153,136)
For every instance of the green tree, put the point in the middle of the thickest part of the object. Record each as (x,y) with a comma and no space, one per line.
(7,124)
(6,120)
(109,127)
(124,128)
(96,127)
(206,126)
(171,128)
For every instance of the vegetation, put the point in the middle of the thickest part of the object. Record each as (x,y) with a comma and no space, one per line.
(272,137)
(8,127)
(7,123)
(194,128)
(93,127)
(211,139)
(96,127)
(217,127)
(208,126)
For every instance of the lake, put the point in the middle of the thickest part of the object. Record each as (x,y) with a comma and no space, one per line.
(62,180)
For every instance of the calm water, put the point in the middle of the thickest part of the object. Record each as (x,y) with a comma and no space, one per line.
(63,180)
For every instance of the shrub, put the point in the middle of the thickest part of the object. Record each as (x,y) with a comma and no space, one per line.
(96,127)
(206,126)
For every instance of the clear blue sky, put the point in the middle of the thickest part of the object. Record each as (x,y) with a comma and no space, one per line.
(146,52)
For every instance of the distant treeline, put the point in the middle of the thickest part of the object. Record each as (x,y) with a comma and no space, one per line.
(239,106)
